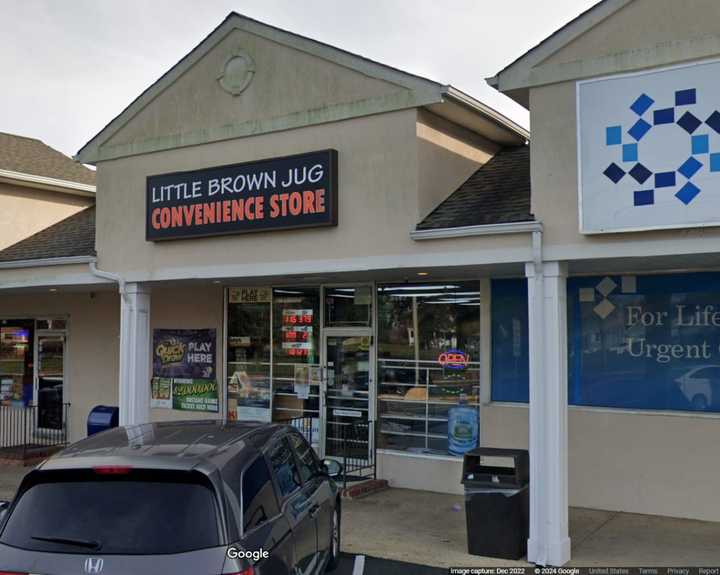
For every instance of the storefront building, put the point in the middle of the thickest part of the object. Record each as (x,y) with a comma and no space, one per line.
(285,230)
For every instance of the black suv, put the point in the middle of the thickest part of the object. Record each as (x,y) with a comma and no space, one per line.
(182,497)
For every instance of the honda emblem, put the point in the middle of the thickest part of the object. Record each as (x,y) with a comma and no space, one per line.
(93,566)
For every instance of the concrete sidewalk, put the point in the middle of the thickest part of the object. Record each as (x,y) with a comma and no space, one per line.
(429,529)
(10,477)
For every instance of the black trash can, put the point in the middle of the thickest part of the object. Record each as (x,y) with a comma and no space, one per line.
(497,501)
(102,417)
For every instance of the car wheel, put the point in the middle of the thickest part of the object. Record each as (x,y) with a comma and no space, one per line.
(699,402)
(334,540)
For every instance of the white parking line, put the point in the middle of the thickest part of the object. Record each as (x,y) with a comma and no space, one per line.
(359,567)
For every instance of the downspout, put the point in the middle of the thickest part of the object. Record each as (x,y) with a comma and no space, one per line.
(109,276)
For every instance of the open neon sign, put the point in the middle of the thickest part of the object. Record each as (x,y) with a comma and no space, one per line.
(454,359)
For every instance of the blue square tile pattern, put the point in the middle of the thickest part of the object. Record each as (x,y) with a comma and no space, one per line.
(687,193)
(615,173)
(664,179)
(644,197)
(690,167)
(641,105)
(685,97)
(700,144)
(639,129)
(629,153)
(664,116)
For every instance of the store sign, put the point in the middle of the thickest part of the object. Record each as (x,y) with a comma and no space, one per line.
(184,370)
(454,359)
(250,295)
(280,193)
(645,342)
(649,150)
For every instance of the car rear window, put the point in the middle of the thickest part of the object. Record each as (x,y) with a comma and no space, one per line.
(140,513)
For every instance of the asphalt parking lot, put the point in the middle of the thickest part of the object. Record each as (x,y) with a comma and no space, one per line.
(364,565)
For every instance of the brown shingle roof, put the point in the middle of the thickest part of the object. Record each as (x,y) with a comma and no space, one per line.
(31,156)
(73,236)
(497,193)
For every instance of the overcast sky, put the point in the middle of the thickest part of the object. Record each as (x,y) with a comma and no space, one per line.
(70,66)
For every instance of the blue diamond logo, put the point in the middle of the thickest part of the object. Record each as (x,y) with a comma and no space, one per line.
(687,193)
(700,144)
(640,173)
(641,105)
(664,116)
(629,153)
(690,167)
(714,121)
(690,123)
(664,179)
(644,198)
(639,129)
(614,172)
(685,97)
(613,135)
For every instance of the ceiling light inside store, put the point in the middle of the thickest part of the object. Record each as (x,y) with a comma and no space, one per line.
(423,273)
(53,289)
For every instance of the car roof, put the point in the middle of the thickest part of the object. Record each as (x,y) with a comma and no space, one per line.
(179,445)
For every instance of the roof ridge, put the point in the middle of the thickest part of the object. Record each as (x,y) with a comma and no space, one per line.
(27,138)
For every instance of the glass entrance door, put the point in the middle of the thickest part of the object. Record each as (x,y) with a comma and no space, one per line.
(50,380)
(347,395)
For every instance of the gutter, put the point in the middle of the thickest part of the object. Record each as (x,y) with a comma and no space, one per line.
(43,262)
(54,184)
(533,227)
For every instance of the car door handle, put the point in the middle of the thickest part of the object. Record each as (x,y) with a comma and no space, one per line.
(314,510)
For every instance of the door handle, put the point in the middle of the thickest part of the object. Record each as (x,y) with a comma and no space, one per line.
(314,510)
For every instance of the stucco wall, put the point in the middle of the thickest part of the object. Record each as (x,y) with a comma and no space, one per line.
(24,211)
(642,24)
(92,362)
(378,206)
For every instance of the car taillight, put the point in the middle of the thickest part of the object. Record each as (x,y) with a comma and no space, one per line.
(248,571)
(111,470)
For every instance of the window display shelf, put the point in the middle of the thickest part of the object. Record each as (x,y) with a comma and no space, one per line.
(390,415)
(290,394)
(424,401)
(413,434)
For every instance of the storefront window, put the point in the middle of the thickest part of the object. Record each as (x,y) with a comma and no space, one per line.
(428,362)
(348,306)
(16,361)
(645,342)
(248,353)
(296,353)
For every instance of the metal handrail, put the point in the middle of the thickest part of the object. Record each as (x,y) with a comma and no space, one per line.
(32,427)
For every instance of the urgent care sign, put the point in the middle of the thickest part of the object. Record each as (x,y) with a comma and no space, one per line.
(279,193)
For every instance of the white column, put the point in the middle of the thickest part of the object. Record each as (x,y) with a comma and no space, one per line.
(549,543)
(134,383)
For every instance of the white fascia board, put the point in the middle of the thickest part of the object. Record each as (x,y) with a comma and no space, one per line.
(486,230)
(493,115)
(304,268)
(45,262)
(44,182)
(518,74)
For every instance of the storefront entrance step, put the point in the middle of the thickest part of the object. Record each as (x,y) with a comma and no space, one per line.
(365,488)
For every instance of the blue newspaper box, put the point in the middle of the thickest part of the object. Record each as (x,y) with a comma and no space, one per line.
(102,417)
